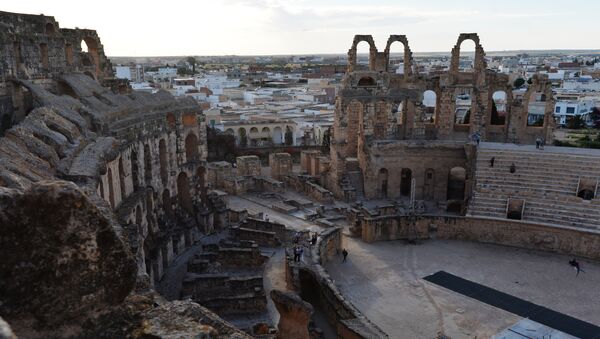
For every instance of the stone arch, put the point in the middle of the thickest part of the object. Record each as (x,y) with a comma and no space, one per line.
(352,53)
(430,105)
(164,162)
(277,135)
(405,181)
(166,201)
(479,63)
(147,165)
(242,137)
(253,131)
(407,59)
(230,131)
(191,148)
(135,169)
(111,189)
(90,46)
(183,193)
(45,60)
(457,178)
(429,186)
(266,130)
(499,108)
(122,178)
(382,179)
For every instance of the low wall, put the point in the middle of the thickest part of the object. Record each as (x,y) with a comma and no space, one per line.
(303,184)
(564,240)
(283,234)
(347,320)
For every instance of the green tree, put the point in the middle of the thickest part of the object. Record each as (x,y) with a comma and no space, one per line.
(575,123)
(192,61)
(519,82)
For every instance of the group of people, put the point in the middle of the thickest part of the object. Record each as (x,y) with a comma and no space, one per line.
(299,248)
(511,169)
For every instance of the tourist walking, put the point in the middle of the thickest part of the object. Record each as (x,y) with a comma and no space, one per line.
(538,142)
(492,161)
(296,254)
(344,254)
(575,264)
(513,168)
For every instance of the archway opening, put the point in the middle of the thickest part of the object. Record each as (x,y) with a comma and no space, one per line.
(366,82)
(405,181)
(50,28)
(166,201)
(253,136)
(183,193)
(456,183)
(462,107)
(191,148)
(289,136)
(430,105)
(135,170)
(147,165)
(383,183)
(242,137)
(363,56)
(396,58)
(277,136)
(111,190)
(164,164)
(429,188)
(499,108)
(466,60)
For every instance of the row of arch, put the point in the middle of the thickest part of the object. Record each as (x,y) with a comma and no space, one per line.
(278,135)
(88,46)
(191,154)
(406,60)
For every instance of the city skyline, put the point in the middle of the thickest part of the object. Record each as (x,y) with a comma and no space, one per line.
(283,27)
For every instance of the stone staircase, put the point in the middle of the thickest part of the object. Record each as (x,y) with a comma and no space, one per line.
(547,180)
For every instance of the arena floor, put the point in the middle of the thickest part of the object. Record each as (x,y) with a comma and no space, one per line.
(384,281)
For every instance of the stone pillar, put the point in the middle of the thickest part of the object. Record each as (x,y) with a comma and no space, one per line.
(281,164)
(294,315)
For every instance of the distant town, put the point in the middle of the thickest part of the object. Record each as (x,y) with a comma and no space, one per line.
(259,99)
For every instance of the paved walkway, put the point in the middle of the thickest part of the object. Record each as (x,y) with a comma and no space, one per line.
(547,149)
(384,281)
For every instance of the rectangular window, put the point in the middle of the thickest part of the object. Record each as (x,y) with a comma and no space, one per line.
(557,109)
(570,110)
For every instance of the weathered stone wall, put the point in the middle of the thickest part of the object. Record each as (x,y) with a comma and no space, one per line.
(217,172)
(35,48)
(377,108)
(515,233)
(305,184)
(263,238)
(280,164)
(341,314)
(248,165)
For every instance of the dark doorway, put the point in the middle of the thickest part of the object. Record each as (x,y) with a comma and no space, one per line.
(405,181)
(456,183)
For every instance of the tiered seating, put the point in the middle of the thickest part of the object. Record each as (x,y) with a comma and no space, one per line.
(546,179)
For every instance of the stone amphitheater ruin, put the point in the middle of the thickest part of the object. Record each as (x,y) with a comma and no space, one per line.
(113,224)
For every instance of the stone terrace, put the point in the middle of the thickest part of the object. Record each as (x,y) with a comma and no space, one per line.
(547,180)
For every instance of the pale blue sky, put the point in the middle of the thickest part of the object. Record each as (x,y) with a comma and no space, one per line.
(218,27)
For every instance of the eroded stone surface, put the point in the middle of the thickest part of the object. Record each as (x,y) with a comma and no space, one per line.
(61,255)
(295,315)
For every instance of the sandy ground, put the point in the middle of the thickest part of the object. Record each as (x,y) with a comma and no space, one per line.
(384,281)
